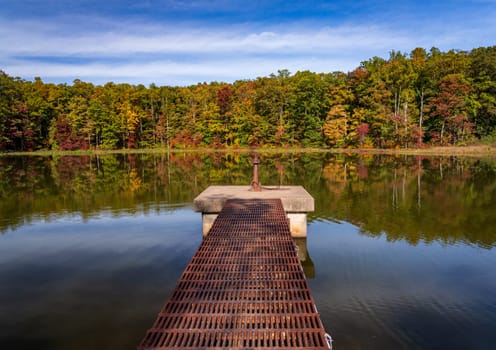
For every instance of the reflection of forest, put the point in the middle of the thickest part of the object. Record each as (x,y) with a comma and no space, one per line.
(404,197)
(414,198)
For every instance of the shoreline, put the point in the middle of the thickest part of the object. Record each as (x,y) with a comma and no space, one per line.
(467,151)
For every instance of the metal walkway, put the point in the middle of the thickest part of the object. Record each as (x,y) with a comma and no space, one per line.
(244,288)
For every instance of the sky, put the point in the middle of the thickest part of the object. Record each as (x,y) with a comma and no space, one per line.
(175,42)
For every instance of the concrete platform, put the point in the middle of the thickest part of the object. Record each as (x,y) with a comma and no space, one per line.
(296,201)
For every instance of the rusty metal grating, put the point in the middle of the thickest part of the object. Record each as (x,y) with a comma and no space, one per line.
(244,288)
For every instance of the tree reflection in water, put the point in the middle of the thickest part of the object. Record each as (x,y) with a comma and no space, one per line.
(447,199)
(101,241)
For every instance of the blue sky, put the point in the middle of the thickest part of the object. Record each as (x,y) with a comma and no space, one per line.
(174,42)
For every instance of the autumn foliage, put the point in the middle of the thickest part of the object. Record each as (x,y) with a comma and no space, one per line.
(408,100)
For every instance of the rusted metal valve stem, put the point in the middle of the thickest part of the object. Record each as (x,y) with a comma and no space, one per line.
(255,184)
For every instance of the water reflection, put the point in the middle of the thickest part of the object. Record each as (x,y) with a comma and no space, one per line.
(376,294)
(415,199)
(399,252)
(304,256)
(66,284)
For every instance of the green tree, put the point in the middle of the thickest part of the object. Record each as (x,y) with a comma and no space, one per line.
(483,73)
(307,108)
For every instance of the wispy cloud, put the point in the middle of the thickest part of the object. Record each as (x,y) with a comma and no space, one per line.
(146,53)
(165,72)
(38,39)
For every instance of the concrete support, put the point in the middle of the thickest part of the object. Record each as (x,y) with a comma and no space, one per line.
(297,224)
(296,201)
(207,222)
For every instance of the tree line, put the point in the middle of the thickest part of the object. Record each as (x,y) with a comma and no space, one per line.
(408,100)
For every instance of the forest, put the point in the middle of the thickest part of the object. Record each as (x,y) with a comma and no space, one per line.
(426,97)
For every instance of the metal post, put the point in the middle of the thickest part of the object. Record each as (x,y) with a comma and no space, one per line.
(255,184)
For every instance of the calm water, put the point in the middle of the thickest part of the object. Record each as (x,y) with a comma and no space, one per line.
(400,253)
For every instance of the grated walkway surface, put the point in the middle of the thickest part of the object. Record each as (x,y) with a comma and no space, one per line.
(243,289)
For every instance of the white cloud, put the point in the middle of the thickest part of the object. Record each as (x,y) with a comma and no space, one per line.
(172,72)
(98,49)
(38,39)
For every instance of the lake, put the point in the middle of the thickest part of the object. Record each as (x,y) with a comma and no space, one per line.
(400,251)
